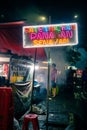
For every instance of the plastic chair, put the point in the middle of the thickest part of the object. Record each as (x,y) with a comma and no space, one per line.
(33,118)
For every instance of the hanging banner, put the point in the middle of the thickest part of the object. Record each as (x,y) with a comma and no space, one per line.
(50,35)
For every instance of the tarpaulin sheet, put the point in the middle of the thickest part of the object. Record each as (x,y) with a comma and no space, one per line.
(11,40)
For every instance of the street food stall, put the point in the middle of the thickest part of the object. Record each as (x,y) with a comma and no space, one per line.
(51,35)
(18,66)
(21,76)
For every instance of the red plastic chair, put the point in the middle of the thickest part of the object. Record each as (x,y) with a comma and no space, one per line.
(33,118)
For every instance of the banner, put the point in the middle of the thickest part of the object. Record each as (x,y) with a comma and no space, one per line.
(50,35)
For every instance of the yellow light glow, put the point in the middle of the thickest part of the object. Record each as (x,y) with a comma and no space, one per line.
(76,16)
(43,67)
(45,62)
(4,59)
(43,18)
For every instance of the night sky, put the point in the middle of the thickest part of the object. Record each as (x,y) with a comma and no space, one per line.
(60,10)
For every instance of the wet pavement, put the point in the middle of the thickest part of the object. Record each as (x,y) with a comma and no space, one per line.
(64,112)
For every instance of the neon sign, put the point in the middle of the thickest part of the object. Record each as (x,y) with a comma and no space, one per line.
(50,35)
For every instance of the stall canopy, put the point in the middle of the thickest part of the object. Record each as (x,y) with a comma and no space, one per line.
(11,40)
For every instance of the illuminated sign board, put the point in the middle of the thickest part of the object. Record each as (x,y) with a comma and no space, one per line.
(50,35)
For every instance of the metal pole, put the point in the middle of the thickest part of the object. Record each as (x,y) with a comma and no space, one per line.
(33,77)
(48,86)
(49,19)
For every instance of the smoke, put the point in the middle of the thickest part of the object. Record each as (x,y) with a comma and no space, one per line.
(58,56)
(83,62)
(30,14)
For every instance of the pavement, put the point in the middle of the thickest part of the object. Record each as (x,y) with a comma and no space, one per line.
(64,112)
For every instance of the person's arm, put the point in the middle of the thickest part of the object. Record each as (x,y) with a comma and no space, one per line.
(56,76)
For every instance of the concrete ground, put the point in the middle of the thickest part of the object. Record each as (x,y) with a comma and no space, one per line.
(64,112)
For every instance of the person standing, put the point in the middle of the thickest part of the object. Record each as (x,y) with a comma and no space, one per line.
(53,79)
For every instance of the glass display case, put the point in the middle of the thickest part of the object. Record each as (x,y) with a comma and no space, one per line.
(21,70)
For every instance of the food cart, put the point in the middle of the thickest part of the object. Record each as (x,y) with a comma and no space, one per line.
(19,69)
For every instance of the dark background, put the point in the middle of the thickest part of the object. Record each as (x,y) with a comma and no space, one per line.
(61,11)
